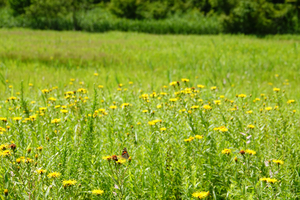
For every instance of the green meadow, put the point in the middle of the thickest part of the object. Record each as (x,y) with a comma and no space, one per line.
(201,117)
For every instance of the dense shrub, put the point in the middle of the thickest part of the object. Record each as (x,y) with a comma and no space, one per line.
(19,6)
(3,3)
(260,16)
(130,9)
(156,16)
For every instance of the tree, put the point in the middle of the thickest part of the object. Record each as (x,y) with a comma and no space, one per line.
(18,6)
(49,11)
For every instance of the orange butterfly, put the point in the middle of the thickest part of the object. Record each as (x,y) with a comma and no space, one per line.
(125,153)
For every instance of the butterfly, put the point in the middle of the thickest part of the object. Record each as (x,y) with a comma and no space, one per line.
(125,153)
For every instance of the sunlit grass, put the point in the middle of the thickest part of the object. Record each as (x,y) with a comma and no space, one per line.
(213,117)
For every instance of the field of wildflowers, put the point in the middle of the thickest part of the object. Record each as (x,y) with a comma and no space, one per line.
(85,135)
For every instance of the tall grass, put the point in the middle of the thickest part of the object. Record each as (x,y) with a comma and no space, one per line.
(207,114)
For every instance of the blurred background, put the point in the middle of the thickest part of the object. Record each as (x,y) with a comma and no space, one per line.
(155,16)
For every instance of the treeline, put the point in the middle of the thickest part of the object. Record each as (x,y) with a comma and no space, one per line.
(155,16)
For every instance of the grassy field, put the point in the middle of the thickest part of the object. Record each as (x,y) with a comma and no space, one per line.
(213,117)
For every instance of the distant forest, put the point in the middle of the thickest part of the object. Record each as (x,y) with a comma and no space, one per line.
(155,16)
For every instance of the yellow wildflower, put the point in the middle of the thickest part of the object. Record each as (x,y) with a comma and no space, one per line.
(207,107)
(268,108)
(200,195)
(173,99)
(242,95)
(69,183)
(250,126)
(41,171)
(199,137)
(226,151)
(279,162)
(250,152)
(54,175)
(98,192)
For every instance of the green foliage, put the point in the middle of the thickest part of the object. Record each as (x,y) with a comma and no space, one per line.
(232,16)
(130,9)
(3,3)
(192,23)
(19,6)
(260,16)
(52,13)
(156,10)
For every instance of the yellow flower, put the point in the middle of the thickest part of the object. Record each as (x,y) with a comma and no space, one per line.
(189,139)
(242,95)
(5,192)
(249,112)
(207,107)
(100,86)
(279,162)
(251,126)
(272,180)
(276,89)
(221,128)
(173,83)
(153,122)
(194,107)
(98,192)
(54,175)
(41,171)
(201,86)
(226,151)
(173,99)
(106,157)
(268,108)
(163,129)
(121,161)
(185,80)
(43,108)
(213,88)
(69,183)
(17,118)
(269,180)
(113,107)
(291,101)
(200,195)
(39,148)
(55,121)
(124,105)
(264,179)
(96,74)
(217,102)
(5,153)
(64,111)
(199,137)
(250,152)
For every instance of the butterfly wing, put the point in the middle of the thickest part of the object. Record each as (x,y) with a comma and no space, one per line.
(125,153)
